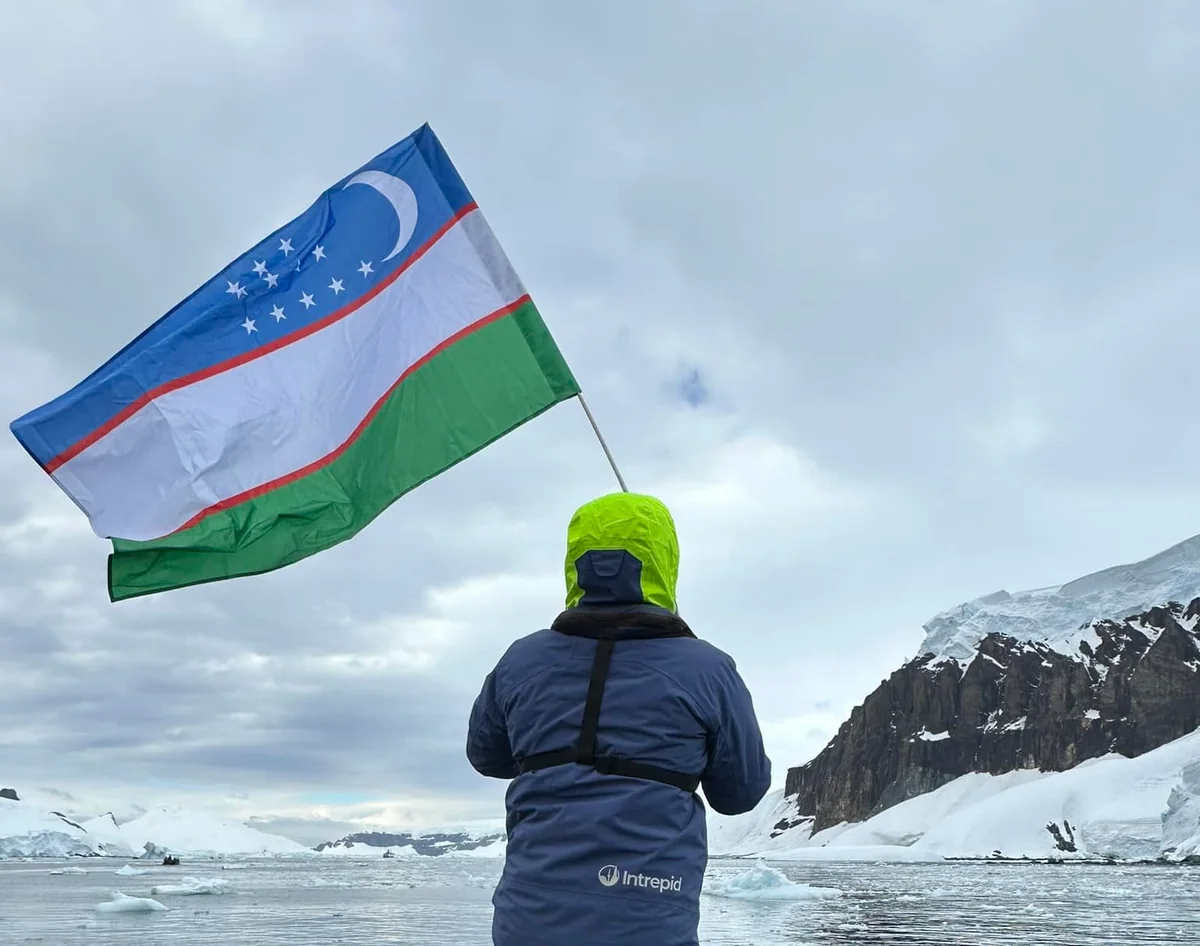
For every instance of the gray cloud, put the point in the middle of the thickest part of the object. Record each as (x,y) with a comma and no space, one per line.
(893,304)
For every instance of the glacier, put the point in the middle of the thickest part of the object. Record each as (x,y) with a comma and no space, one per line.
(186,832)
(1113,807)
(27,830)
(1059,616)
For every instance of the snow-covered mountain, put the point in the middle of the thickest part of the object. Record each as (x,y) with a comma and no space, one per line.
(26,831)
(1014,686)
(29,830)
(1058,615)
(1144,808)
(486,839)
(1131,686)
(176,830)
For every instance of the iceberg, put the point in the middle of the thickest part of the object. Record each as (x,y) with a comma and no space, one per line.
(763,882)
(1181,820)
(120,903)
(191,887)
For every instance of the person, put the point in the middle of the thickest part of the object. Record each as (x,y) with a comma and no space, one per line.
(607,723)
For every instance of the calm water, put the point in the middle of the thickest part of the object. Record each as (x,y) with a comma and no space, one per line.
(427,901)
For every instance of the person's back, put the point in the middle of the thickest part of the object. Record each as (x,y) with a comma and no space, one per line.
(607,723)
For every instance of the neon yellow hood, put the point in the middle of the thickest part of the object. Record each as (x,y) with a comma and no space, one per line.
(641,527)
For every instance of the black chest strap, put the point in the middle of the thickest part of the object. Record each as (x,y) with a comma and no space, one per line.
(584,751)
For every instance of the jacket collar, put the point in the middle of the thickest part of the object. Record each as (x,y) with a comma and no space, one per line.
(621,622)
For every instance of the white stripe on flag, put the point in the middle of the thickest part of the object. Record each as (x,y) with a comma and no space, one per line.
(267,418)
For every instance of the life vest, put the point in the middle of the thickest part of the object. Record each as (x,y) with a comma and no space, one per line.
(608,627)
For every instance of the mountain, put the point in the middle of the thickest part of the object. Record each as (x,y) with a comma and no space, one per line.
(1056,616)
(31,829)
(28,830)
(185,832)
(480,840)
(1145,808)
(1038,681)
(1131,686)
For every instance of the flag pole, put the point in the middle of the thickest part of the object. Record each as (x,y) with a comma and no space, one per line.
(600,437)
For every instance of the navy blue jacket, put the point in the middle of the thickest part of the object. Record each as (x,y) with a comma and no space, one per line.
(605,859)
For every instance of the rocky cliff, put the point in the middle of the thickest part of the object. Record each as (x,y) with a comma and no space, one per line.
(1126,686)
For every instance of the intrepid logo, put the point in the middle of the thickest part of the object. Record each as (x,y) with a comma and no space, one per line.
(612,875)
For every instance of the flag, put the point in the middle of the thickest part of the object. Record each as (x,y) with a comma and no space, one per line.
(365,347)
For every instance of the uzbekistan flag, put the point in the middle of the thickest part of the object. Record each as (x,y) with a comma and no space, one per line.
(367,346)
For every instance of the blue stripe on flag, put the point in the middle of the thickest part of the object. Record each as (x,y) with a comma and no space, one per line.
(312,266)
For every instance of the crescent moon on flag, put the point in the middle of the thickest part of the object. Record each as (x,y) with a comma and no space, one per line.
(400,196)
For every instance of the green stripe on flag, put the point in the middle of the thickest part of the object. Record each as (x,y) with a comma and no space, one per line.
(464,398)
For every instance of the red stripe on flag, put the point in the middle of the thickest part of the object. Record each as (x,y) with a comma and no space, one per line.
(330,457)
(182,382)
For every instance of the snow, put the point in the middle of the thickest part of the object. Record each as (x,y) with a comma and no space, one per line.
(357,849)
(1140,808)
(28,831)
(120,903)
(762,882)
(926,736)
(1181,820)
(497,848)
(130,871)
(1092,714)
(492,831)
(750,833)
(191,833)
(1061,616)
(191,887)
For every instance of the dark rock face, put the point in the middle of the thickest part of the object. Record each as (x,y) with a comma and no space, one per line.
(431,845)
(9,793)
(1017,704)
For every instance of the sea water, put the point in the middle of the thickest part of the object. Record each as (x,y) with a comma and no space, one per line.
(421,901)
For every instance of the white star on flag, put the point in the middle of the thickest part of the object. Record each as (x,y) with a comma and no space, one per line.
(235,288)
(319,252)
(286,246)
(365,268)
(271,279)
(336,286)
(278,313)
(307,300)
(260,267)
(248,325)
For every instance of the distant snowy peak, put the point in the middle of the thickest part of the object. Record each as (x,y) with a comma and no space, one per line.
(487,839)
(1060,616)
(184,831)
(26,831)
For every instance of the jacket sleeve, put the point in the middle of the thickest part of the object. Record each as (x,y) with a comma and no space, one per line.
(488,748)
(739,772)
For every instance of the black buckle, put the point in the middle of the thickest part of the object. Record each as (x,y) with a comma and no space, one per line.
(606,764)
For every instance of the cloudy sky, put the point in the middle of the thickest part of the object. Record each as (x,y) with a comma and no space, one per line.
(893,304)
